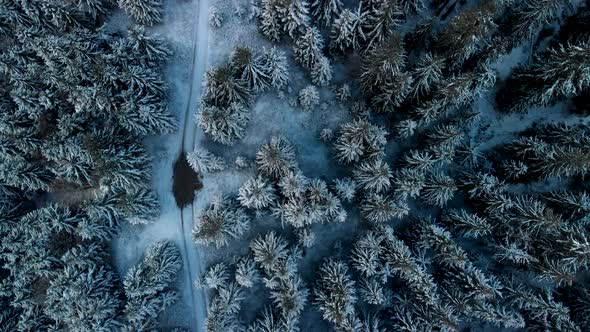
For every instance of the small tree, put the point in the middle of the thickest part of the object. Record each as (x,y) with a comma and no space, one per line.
(321,72)
(309,97)
(381,209)
(335,292)
(222,221)
(224,124)
(257,193)
(276,158)
(308,47)
(276,68)
(203,161)
(373,176)
(147,12)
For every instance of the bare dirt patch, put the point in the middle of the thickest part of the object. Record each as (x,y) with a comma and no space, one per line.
(186,182)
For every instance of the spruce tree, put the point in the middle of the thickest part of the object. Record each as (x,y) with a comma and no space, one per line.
(147,285)
(221,222)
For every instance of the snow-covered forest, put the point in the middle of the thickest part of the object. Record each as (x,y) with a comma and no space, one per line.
(326,165)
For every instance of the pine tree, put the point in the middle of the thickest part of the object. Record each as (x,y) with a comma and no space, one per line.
(345,32)
(222,221)
(152,47)
(467,224)
(215,277)
(321,72)
(224,88)
(465,33)
(224,124)
(374,176)
(371,291)
(293,184)
(325,11)
(223,312)
(276,158)
(246,273)
(147,12)
(438,189)
(382,63)
(294,16)
(276,68)
(308,47)
(252,67)
(257,193)
(309,97)
(215,18)
(382,16)
(410,7)
(427,74)
(147,285)
(335,292)
(306,237)
(381,209)
(345,188)
(269,250)
(359,139)
(393,92)
(203,161)
(82,296)
(409,182)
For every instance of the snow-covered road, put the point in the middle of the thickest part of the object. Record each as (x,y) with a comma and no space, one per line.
(189,139)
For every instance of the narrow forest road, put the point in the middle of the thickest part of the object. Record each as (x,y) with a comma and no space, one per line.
(197,69)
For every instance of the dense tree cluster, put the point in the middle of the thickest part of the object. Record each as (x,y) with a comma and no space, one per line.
(463,226)
(75,104)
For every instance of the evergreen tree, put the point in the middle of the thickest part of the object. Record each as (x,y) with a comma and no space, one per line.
(224,88)
(359,139)
(465,33)
(223,313)
(246,272)
(82,296)
(308,47)
(345,32)
(203,161)
(374,177)
(251,65)
(325,10)
(309,97)
(382,16)
(222,221)
(224,124)
(257,193)
(269,250)
(345,188)
(381,209)
(147,285)
(467,224)
(215,277)
(393,92)
(427,74)
(382,63)
(276,158)
(335,292)
(147,12)
(321,72)
(276,68)
(438,189)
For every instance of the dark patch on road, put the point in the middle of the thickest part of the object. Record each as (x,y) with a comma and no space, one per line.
(186,182)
